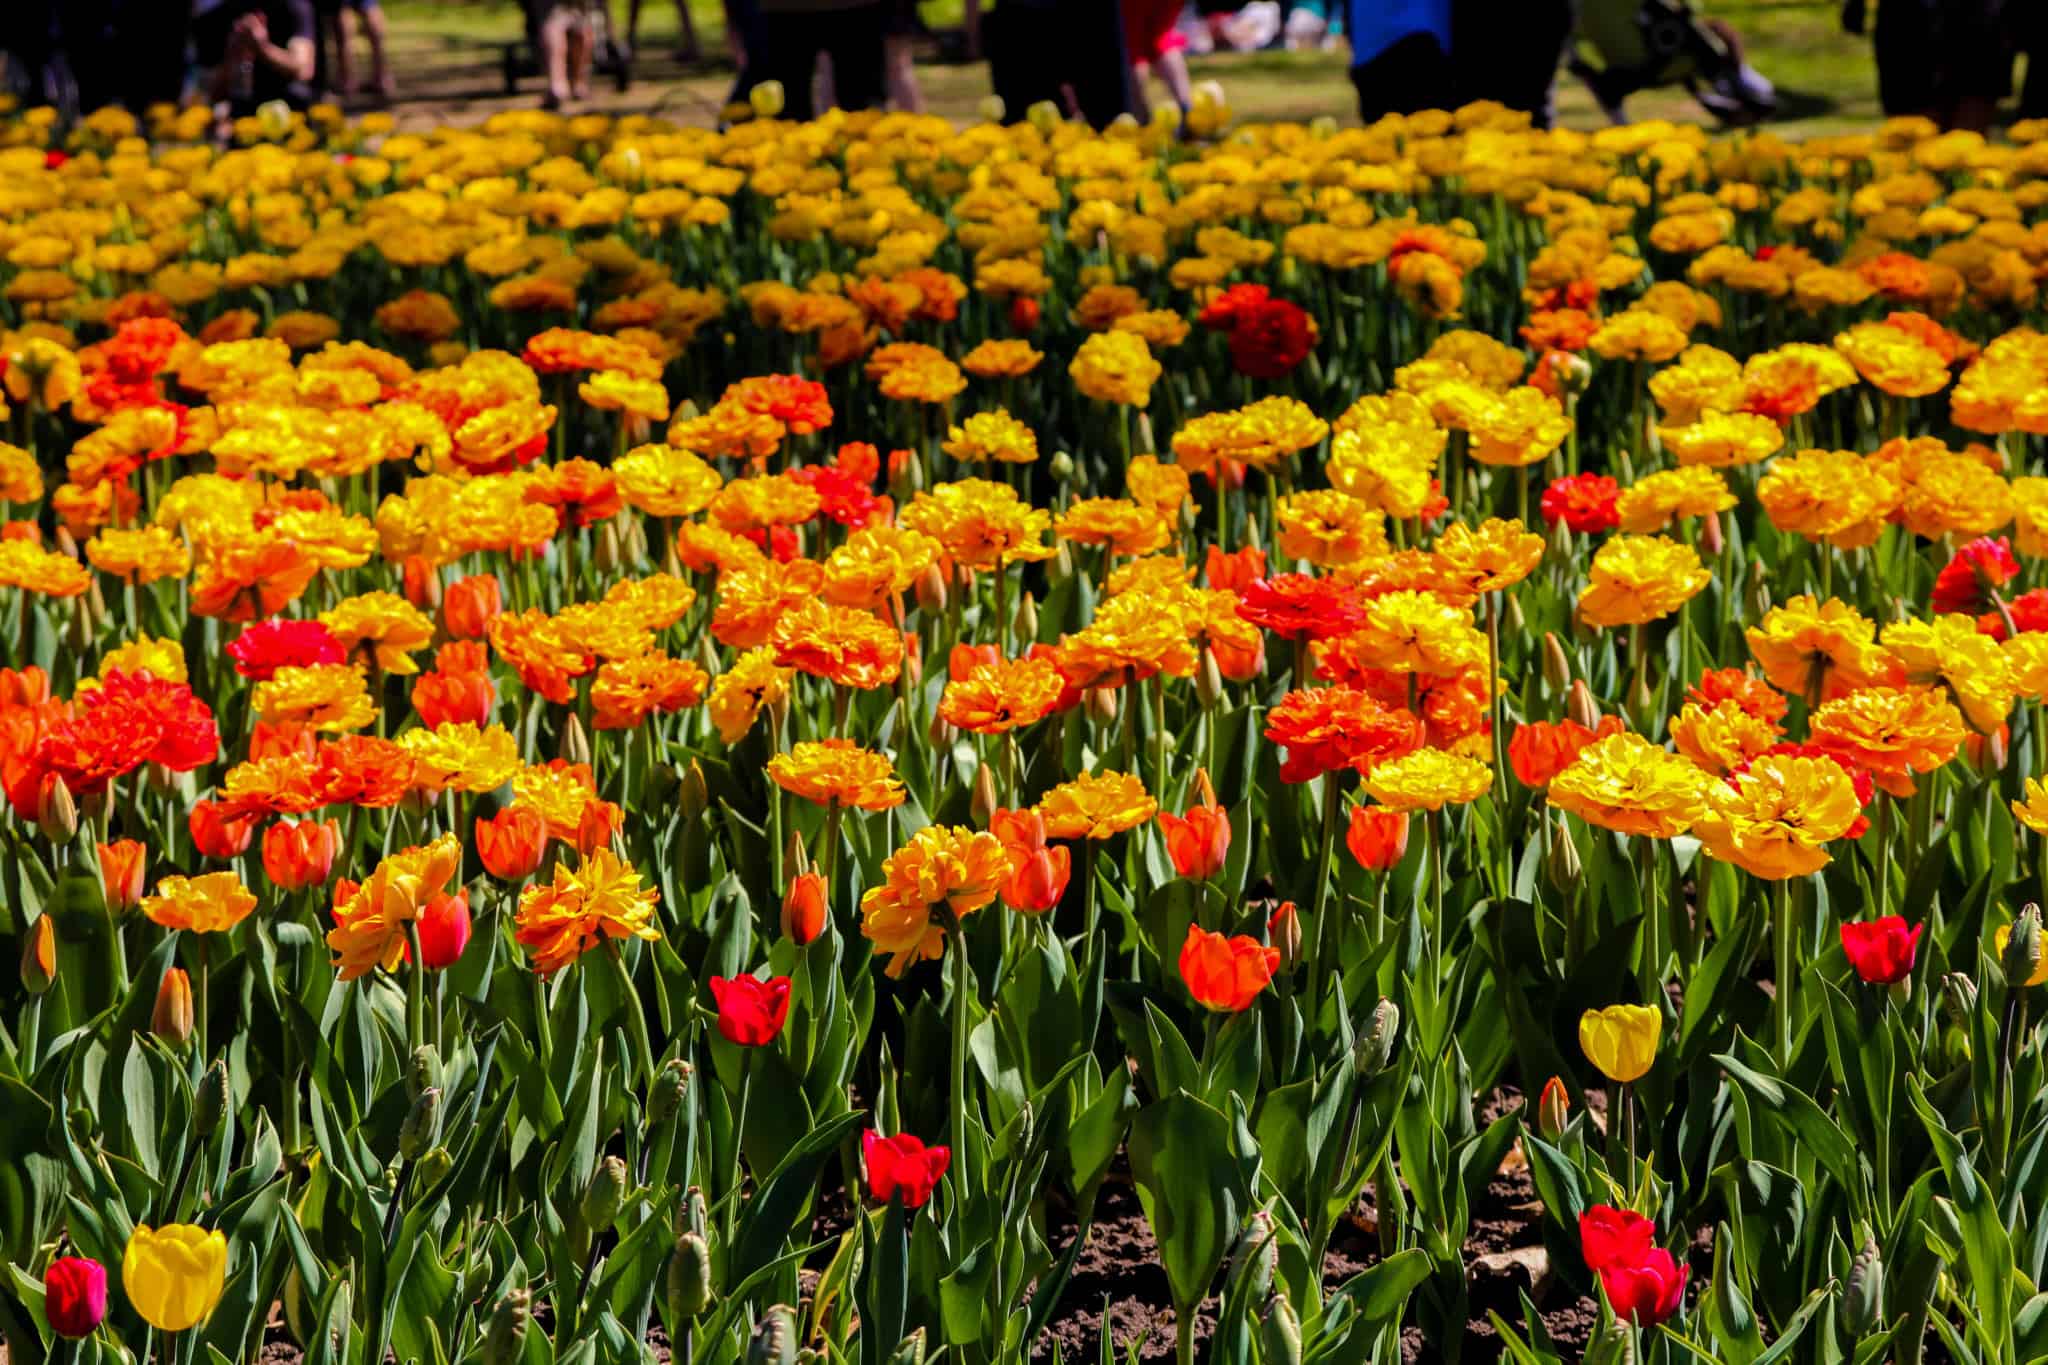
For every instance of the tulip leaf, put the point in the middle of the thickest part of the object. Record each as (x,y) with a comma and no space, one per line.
(1804,1119)
(1788,1335)
(767,1219)
(1986,1243)
(1378,1294)
(1194,1188)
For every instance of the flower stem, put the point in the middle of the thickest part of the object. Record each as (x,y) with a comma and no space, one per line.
(963,985)
(1323,878)
(1783,970)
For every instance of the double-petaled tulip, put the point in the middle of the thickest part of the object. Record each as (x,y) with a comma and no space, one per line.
(301,855)
(750,1011)
(1881,951)
(444,930)
(1621,1040)
(803,908)
(74,1296)
(510,844)
(173,1275)
(1198,842)
(902,1166)
(1377,837)
(1226,974)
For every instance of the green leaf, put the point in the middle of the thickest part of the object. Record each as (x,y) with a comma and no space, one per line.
(772,1214)
(1194,1187)
(1987,1245)
(1812,1128)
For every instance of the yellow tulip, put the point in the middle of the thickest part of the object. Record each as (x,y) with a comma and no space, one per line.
(174,1274)
(1621,1040)
(1998,941)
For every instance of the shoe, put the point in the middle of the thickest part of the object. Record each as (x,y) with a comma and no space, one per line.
(1253,27)
(1304,30)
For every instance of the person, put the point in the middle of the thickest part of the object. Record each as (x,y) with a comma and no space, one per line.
(265,53)
(1069,53)
(792,35)
(687,49)
(1509,51)
(560,33)
(899,61)
(1949,60)
(1631,45)
(1400,56)
(1154,41)
(334,35)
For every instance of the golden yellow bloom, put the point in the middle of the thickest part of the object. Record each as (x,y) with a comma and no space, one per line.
(1428,779)
(1164,488)
(173,1275)
(1259,435)
(1721,737)
(380,629)
(1950,651)
(1417,632)
(662,481)
(463,757)
(209,904)
(2033,811)
(330,697)
(1637,579)
(1775,819)
(738,695)
(1001,359)
(1893,360)
(1627,784)
(370,926)
(1490,557)
(1115,367)
(1657,501)
(942,874)
(1828,495)
(1522,427)
(1388,468)
(141,555)
(1329,528)
(830,771)
(600,899)
(1121,526)
(1723,440)
(876,564)
(1621,1040)
(995,698)
(1096,806)
(981,524)
(1638,334)
(1893,731)
(992,436)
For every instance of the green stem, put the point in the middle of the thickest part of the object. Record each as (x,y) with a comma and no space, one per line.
(1783,970)
(963,985)
(636,1018)
(415,990)
(1324,876)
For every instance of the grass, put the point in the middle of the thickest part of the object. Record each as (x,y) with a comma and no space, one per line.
(447,55)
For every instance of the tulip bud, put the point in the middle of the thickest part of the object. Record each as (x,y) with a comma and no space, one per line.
(1062,466)
(990,109)
(1758,597)
(689,1277)
(1283,931)
(695,1214)
(1552,1108)
(767,99)
(1209,681)
(1280,1332)
(171,1020)
(775,1338)
(930,590)
(985,799)
(1863,1304)
(1558,548)
(1043,115)
(505,1338)
(423,1071)
(694,796)
(1257,1256)
(431,1169)
(608,553)
(1580,706)
(56,812)
(1102,705)
(1205,790)
(1639,699)
(942,734)
(1959,996)
(422,1125)
(1557,668)
(575,741)
(804,909)
(1375,1045)
(39,956)
(1710,533)
(210,1099)
(665,1095)
(2022,953)
(1992,751)
(605,1194)
(1561,860)
(910,1351)
(1024,625)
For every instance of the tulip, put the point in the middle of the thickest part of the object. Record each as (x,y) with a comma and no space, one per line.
(1225,974)
(510,843)
(1881,951)
(171,1019)
(454,698)
(444,931)
(750,1011)
(173,1275)
(803,908)
(469,605)
(74,1296)
(220,830)
(1647,1292)
(1610,1236)
(1552,1107)
(1198,842)
(1283,931)
(1038,878)
(1621,1040)
(902,1165)
(421,579)
(39,956)
(56,813)
(1377,837)
(596,826)
(121,868)
(302,855)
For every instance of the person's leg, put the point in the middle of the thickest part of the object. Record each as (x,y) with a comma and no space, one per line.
(901,62)
(580,39)
(1411,75)
(554,54)
(858,44)
(344,62)
(686,45)
(371,16)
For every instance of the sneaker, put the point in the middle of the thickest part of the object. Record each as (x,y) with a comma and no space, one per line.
(1304,30)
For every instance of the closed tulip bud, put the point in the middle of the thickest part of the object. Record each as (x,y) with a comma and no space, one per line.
(930,590)
(470,605)
(444,927)
(1992,752)
(1280,1332)
(1639,699)
(121,874)
(910,1351)
(432,1168)
(1552,1109)
(1580,706)
(422,1071)
(1209,681)
(422,1124)
(171,1020)
(575,740)
(609,553)
(1557,668)
(665,1095)
(990,109)
(1758,595)
(1062,466)
(689,1277)
(804,909)
(56,812)
(422,582)
(985,798)
(505,1338)
(695,794)
(1561,861)
(1710,533)
(210,1099)
(1558,546)
(1043,115)
(1375,1044)
(767,99)
(942,734)
(2020,954)
(905,474)
(1283,931)
(39,956)
(1257,1256)
(605,1194)
(1959,997)
(775,1338)
(1102,705)
(695,1214)
(1024,625)
(511,843)
(1863,1304)
(1512,620)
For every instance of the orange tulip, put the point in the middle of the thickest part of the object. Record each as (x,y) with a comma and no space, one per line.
(1226,974)
(1377,837)
(511,843)
(171,1020)
(1198,842)
(121,868)
(469,605)
(301,855)
(220,830)
(803,909)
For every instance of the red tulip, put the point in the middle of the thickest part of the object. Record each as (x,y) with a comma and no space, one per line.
(1226,974)
(444,931)
(74,1296)
(510,843)
(301,855)
(1610,1236)
(220,830)
(1648,1291)
(1198,842)
(750,1011)
(1882,950)
(1377,837)
(902,1166)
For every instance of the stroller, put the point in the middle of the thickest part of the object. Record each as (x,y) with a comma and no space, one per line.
(608,55)
(1645,43)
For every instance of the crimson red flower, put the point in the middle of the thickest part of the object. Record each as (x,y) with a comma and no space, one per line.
(2029,612)
(1296,606)
(1647,1291)
(1271,339)
(1222,312)
(844,497)
(902,1167)
(129,720)
(1023,313)
(750,1011)
(444,930)
(220,830)
(1610,1236)
(1584,502)
(74,1296)
(1377,837)
(778,541)
(1236,570)
(859,461)
(1328,728)
(1198,842)
(1972,577)
(1882,950)
(263,648)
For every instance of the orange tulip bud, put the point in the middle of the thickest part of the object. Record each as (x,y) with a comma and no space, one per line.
(1552,1109)
(470,605)
(804,909)
(510,844)
(422,582)
(301,855)
(1284,931)
(171,1020)
(39,956)
(1378,837)
(1198,842)
(121,867)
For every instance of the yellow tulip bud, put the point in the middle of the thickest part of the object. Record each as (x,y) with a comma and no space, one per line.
(174,1274)
(1621,1040)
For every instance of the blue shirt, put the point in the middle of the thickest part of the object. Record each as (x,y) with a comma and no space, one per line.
(1376,25)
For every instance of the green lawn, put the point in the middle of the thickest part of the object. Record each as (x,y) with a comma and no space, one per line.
(447,54)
